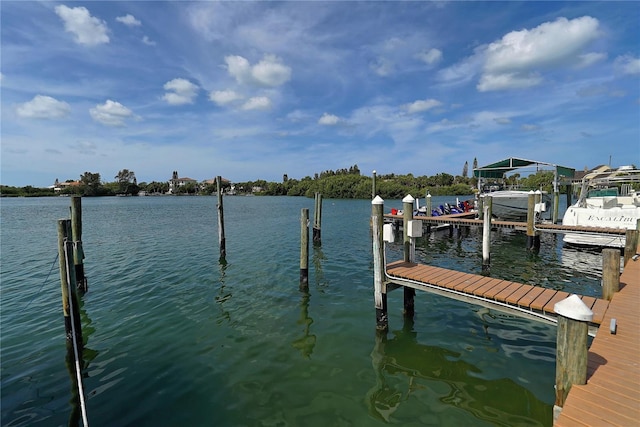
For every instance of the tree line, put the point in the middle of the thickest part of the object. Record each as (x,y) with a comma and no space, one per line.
(345,183)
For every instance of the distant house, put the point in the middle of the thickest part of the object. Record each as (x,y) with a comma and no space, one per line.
(59,186)
(175,182)
(225,182)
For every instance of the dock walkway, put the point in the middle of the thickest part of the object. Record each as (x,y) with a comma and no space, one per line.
(611,396)
(534,301)
(466,219)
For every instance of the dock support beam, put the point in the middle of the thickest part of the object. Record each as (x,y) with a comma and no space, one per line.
(304,248)
(409,252)
(222,241)
(70,301)
(631,242)
(610,273)
(571,352)
(78,252)
(556,206)
(317,220)
(486,233)
(379,285)
(533,238)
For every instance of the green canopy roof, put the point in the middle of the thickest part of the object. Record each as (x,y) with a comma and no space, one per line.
(498,169)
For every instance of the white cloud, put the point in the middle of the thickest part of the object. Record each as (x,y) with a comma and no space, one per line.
(328,120)
(513,61)
(270,71)
(627,64)
(224,97)
(504,81)
(422,105)
(382,67)
(502,120)
(111,113)
(530,128)
(589,59)
(180,91)
(430,57)
(257,103)
(87,29)
(129,20)
(146,40)
(43,107)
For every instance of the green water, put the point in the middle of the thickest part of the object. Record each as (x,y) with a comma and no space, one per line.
(175,338)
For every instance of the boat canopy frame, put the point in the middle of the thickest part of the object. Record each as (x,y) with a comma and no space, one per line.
(498,170)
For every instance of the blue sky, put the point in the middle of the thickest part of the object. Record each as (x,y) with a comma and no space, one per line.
(257,90)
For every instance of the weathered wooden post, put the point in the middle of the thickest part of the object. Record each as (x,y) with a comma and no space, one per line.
(610,273)
(70,304)
(317,220)
(409,250)
(533,238)
(571,349)
(480,200)
(556,206)
(304,248)
(427,201)
(486,233)
(221,239)
(379,286)
(78,252)
(373,185)
(631,242)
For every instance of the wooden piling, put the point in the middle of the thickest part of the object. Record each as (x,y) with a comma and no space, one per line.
(610,273)
(481,206)
(304,248)
(373,185)
(221,238)
(533,238)
(409,252)
(556,206)
(78,251)
(428,203)
(70,302)
(486,233)
(317,220)
(631,243)
(379,286)
(571,348)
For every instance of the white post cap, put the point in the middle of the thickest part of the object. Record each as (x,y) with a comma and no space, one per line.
(377,201)
(428,194)
(408,199)
(538,192)
(573,308)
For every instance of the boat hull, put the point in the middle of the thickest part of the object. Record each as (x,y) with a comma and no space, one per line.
(512,205)
(616,217)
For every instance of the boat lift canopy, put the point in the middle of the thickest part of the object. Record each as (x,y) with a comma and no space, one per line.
(499,169)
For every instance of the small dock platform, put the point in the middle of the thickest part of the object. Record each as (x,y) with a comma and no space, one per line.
(533,301)
(611,396)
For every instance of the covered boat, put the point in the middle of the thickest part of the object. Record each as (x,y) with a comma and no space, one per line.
(607,199)
(512,204)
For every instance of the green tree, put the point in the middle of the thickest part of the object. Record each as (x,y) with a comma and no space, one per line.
(127,183)
(465,169)
(90,184)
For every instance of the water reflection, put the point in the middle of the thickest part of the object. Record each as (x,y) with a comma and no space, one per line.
(406,369)
(306,343)
(86,356)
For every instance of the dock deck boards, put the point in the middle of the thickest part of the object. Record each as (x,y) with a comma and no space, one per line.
(523,296)
(611,396)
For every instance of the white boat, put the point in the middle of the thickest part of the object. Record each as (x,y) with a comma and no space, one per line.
(607,199)
(513,205)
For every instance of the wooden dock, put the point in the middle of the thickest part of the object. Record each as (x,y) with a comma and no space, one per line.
(533,301)
(611,396)
(467,219)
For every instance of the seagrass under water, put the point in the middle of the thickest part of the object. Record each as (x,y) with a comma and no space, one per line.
(172,337)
